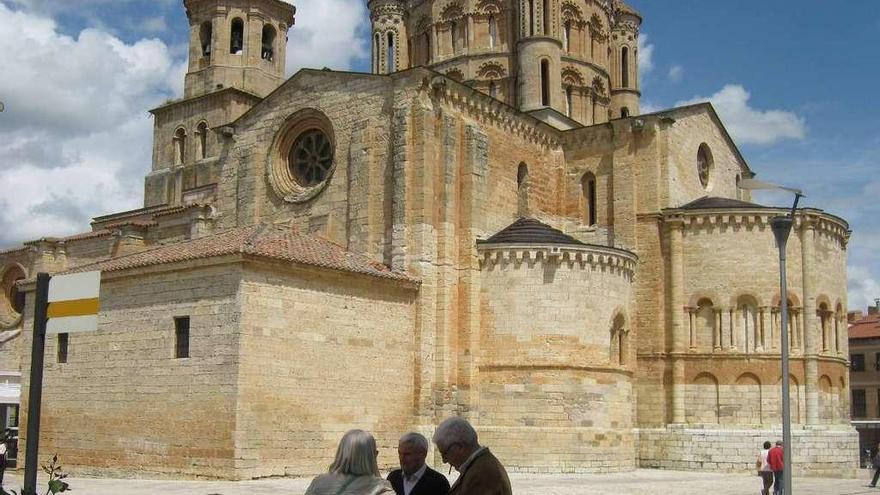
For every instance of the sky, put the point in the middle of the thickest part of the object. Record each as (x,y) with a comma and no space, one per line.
(793,80)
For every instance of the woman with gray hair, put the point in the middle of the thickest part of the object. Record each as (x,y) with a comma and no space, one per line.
(354,471)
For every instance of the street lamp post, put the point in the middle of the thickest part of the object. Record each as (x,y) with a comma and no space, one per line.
(781,227)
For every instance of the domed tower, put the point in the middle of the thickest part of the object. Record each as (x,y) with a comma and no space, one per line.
(624,64)
(389,36)
(239,44)
(539,56)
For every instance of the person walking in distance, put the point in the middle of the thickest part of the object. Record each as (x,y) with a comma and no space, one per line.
(414,476)
(776,462)
(764,470)
(875,462)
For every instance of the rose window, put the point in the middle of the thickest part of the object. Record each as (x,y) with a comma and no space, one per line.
(311,158)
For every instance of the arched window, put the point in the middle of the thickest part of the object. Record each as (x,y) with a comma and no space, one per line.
(618,341)
(236,39)
(202,135)
(624,112)
(453,36)
(545,83)
(546,17)
(377,56)
(392,62)
(588,188)
(704,335)
(566,36)
(624,67)
(427,48)
(839,320)
(531,17)
(569,104)
(206,34)
(522,189)
(825,325)
(268,44)
(750,336)
(493,32)
(493,89)
(179,142)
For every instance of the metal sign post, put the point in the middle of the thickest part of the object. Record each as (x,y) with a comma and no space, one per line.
(35,389)
(68,304)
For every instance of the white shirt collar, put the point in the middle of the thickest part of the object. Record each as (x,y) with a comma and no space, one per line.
(415,476)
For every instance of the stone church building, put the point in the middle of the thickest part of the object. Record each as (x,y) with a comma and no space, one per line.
(483,226)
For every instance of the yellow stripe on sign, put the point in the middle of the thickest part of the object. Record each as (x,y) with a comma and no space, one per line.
(76,307)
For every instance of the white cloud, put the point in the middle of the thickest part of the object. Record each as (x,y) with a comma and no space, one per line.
(646,55)
(676,72)
(75,136)
(863,288)
(328,33)
(749,125)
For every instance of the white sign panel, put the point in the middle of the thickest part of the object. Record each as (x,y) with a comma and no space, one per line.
(73,303)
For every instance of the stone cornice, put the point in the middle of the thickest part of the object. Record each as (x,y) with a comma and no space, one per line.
(487,109)
(617,260)
(758,217)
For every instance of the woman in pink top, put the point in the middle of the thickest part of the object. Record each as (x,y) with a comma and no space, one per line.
(764,470)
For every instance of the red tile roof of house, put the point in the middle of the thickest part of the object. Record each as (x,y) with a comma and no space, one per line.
(866,328)
(260,241)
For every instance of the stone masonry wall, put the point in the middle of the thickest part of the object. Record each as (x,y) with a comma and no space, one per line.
(321,353)
(818,451)
(122,404)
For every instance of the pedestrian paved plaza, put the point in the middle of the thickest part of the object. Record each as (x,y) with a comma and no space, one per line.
(641,482)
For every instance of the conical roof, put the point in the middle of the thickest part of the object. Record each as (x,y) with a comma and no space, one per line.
(715,202)
(531,231)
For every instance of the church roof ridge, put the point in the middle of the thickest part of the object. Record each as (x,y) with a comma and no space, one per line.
(269,241)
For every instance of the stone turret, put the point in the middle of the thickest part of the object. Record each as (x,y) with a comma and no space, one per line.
(239,44)
(624,64)
(389,36)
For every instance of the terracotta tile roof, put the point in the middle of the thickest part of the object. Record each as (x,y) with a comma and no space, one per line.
(142,214)
(261,241)
(87,235)
(866,328)
(715,202)
(530,231)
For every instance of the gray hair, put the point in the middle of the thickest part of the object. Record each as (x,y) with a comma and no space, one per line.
(356,454)
(455,430)
(416,440)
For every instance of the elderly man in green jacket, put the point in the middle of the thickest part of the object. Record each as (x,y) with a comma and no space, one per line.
(480,472)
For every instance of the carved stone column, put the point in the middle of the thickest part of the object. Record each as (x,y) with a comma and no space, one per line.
(679,332)
(811,362)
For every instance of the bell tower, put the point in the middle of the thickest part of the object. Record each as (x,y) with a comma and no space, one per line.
(624,64)
(389,36)
(240,44)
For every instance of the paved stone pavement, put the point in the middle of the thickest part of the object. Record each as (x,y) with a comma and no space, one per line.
(641,482)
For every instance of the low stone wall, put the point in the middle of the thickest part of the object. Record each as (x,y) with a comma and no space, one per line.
(818,451)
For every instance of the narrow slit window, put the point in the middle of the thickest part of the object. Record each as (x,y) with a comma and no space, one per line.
(546,17)
(391,54)
(531,17)
(493,32)
(179,147)
(569,103)
(181,337)
(493,89)
(63,340)
(377,57)
(624,67)
(545,83)
(566,36)
(453,27)
(202,131)
(624,112)
(427,48)
(588,184)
